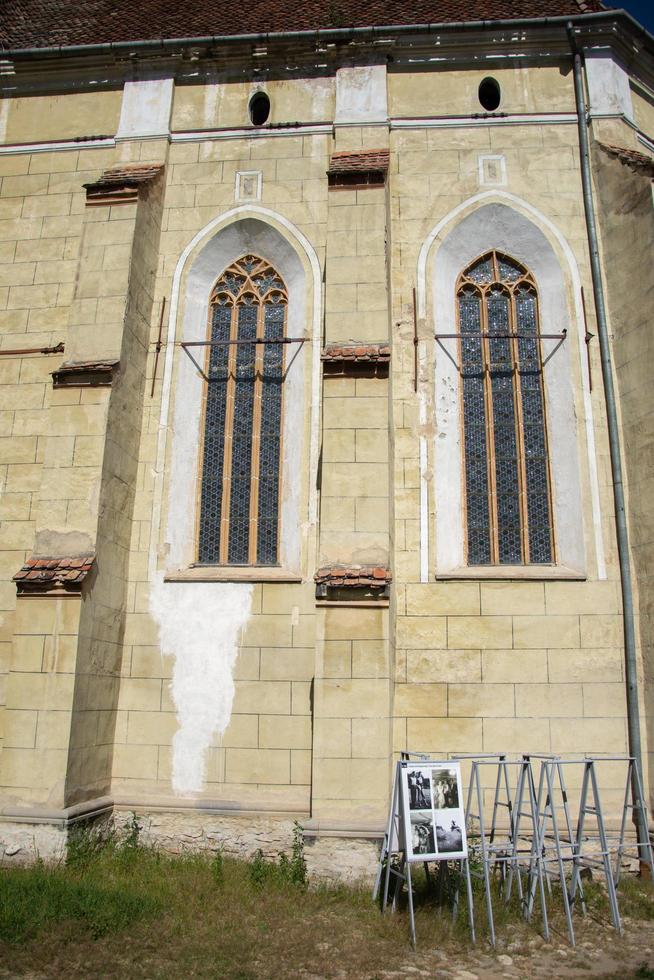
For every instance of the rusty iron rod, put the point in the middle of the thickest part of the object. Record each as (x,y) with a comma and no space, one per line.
(588,336)
(157,348)
(57,349)
(415,343)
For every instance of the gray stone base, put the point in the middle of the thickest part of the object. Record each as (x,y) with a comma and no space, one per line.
(22,843)
(330,854)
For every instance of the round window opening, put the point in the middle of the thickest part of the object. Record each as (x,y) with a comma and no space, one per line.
(489,94)
(259,108)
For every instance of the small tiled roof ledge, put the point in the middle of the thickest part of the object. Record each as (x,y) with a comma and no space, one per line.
(85,374)
(46,575)
(357,359)
(371,579)
(364,168)
(120,184)
(637,162)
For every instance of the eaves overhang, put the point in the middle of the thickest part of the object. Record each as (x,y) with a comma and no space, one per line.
(289,52)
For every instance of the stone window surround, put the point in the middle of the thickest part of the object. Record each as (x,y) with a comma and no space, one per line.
(245,232)
(497,225)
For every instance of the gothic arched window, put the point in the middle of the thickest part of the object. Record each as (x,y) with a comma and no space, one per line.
(241,453)
(507,483)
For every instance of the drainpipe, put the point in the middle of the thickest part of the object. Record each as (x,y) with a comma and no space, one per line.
(622,533)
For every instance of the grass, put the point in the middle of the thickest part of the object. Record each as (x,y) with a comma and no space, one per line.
(117,909)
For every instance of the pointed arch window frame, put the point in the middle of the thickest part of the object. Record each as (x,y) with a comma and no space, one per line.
(490,356)
(243,351)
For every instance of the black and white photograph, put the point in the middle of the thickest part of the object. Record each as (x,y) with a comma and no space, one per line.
(433,821)
(422,832)
(449,832)
(444,789)
(419,783)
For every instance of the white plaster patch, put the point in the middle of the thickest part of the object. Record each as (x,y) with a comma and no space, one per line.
(145,109)
(199,625)
(4,116)
(608,85)
(361,94)
(210,108)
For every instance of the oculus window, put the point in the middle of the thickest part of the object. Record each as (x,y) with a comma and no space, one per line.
(241,451)
(508,510)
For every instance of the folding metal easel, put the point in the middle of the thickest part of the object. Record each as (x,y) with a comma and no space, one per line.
(633,789)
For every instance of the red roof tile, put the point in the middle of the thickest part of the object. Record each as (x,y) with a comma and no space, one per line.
(638,162)
(44,575)
(367,353)
(353,576)
(48,23)
(127,174)
(364,161)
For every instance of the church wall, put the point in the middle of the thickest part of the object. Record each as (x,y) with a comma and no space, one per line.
(325,695)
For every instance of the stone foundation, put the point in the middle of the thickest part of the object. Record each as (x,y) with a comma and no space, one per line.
(330,856)
(23,843)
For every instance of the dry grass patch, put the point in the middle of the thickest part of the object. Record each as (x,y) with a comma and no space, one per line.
(120,910)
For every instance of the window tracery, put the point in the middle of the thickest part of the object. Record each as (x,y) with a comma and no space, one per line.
(241,452)
(506,466)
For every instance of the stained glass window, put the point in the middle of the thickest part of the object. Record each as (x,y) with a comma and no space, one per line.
(241,457)
(506,467)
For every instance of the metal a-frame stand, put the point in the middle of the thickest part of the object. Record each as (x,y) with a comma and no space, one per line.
(555,833)
(644,852)
(504,852)
(593,811)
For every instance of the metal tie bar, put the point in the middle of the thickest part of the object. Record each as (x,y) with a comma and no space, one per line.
(503,336)
(255,340)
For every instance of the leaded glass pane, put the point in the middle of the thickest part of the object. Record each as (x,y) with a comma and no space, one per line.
(214,437)
(271,411)
(509,270)
(481,271)
(242,430)
(474,422)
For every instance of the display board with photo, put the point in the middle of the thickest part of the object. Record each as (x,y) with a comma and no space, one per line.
(433,815)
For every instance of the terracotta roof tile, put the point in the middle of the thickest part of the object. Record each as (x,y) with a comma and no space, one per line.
(120,185)
(129,173)
(364,161)
(353,576)
(44,575)
(85,374)
(366,353)
(638,162)
(48,23)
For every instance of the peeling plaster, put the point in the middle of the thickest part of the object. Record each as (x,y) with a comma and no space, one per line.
(199,624)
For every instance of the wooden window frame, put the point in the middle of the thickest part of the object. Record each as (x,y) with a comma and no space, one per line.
(483,290)
(248,288)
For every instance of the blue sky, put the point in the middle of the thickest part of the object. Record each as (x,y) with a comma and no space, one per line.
(642,10)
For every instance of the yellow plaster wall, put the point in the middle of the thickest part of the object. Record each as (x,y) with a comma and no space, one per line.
(225,103)
(65,116)
(643,104)
(446,92)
